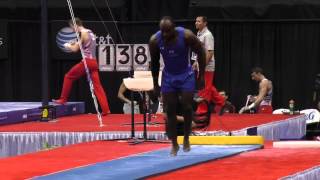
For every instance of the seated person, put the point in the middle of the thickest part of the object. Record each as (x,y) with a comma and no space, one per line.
(228,106)
(154,102)
(123,93)
(263,101)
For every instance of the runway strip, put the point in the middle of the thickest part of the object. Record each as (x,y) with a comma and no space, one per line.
(150,163)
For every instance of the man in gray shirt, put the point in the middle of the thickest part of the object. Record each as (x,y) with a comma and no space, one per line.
(209,92)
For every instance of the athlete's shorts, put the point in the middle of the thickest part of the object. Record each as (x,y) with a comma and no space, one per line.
(184,82)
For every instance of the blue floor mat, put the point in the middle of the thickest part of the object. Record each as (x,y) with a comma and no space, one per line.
(150,163)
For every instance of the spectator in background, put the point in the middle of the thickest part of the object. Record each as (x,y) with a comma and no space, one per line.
(124,93)
(209,92)
(228,106)
(263,101)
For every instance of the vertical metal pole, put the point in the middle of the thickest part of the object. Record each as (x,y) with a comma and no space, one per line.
(132,116)
(44,57)
(44,53)
(145,109)
(131,73)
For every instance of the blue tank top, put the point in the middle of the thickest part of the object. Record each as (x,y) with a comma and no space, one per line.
(175,56)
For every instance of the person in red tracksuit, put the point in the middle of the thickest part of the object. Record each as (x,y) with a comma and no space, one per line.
(87,40)
(209,92)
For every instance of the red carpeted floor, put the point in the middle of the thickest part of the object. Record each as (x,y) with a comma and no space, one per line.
(115,122)
(264,164)
(83,123)
(44,162)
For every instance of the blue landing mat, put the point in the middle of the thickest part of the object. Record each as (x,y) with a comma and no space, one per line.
(13,112)
(150,163)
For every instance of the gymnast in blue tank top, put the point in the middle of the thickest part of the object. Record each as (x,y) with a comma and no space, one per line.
(177,74)
(178,79)
(175,55)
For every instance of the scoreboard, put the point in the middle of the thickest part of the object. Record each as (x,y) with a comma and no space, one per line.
(124,57)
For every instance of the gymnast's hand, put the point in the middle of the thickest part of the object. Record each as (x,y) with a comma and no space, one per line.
(67,45)
(244,109)
(195,66)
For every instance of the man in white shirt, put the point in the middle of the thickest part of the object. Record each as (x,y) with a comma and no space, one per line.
(209,92)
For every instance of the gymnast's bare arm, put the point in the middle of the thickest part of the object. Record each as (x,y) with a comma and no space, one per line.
(155,59)
(74,46)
